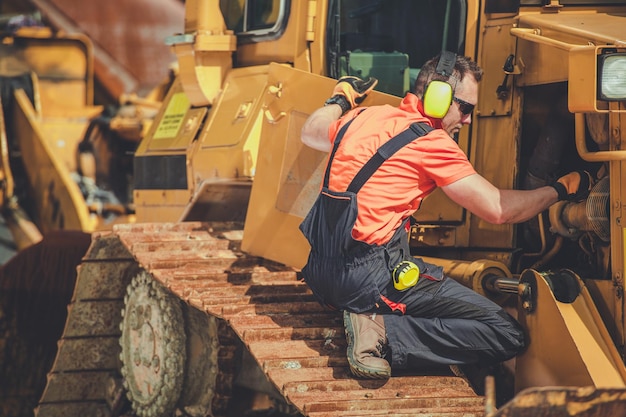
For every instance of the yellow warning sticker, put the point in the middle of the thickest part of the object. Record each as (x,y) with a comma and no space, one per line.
(173,117)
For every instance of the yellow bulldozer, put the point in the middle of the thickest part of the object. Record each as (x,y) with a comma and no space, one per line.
(197,307)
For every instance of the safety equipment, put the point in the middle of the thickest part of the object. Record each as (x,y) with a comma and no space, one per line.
(574,186)
(350,91)
(438,94)
(405,275)
(328,229)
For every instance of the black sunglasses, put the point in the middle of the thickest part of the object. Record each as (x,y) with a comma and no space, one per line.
(465,107)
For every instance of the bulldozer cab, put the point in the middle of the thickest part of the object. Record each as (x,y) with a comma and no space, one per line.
(325,39)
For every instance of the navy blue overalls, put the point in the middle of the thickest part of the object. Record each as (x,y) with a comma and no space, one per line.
(438,321)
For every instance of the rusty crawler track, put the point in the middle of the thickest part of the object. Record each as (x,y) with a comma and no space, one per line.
(299,345)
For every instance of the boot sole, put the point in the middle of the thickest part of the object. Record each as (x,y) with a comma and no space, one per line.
(356,368)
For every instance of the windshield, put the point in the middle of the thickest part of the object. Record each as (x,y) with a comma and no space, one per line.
(391,39)
(254,17)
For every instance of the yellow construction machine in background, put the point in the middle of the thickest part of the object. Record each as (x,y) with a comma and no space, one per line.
(75,106)
(67,163)
(65,172)
(200,298)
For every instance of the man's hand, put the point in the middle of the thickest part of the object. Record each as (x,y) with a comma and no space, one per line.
(350,91)
(574,186)
(354,89)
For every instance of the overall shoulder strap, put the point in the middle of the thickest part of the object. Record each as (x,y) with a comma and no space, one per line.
(392,146)
(338,139)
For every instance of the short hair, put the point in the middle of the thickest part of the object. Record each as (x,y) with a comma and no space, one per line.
(464,65)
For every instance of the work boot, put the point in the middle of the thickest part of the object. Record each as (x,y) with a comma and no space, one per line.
(367,343)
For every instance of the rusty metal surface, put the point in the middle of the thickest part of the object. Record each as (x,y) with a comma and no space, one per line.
(566,402)
(128,37)
(299,345)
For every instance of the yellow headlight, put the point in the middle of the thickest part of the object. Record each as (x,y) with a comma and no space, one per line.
(612,77)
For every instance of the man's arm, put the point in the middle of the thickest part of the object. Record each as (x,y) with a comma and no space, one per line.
(315,130)
(498,206)
(350,92)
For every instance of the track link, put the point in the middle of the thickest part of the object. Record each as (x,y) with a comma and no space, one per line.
(297,343)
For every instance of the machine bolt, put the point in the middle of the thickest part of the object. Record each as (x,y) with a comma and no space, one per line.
(276,90)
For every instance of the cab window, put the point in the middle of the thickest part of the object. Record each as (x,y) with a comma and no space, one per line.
(255,18)
(391,39)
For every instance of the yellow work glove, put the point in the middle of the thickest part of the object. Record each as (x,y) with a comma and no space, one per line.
(574,186)
(350,91)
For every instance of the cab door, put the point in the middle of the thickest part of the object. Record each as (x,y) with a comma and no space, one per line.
(288,174)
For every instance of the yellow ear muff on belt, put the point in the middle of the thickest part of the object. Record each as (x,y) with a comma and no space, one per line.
(405,275)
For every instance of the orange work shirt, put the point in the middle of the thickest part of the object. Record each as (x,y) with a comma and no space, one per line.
(397,188)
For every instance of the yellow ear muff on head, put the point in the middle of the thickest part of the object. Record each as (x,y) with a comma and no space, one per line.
(438,94)
(437,99)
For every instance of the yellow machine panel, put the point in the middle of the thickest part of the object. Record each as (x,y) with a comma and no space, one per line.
(282,197)
(196,163)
